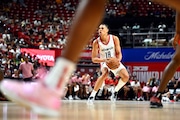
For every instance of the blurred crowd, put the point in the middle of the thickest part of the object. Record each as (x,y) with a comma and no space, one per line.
(81,84)
(44,24)
(48,30)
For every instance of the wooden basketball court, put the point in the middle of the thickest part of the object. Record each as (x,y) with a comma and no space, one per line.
(101,110)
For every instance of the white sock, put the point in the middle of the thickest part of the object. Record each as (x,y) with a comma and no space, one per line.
(93,93)
(59,75)
(119,85)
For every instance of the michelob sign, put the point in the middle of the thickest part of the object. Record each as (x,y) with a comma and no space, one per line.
(145,63)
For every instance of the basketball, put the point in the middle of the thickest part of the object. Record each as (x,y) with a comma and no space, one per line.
(113,63)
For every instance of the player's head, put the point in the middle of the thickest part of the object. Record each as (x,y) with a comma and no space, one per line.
(103,29)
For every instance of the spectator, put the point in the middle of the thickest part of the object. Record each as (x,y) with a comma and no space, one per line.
(72,87)
(38,11)
(161,27)
(126,27)
(136,27)
(6,36)
(43,46)
(166,95)
(172,85)
(16,74)
(68,5)
(62,41)
(27,70)
(109,87)
(7,73)
(135,84)
(6,10)
(21,3)
(126,93)
(51,43)
(3,46)
(147,41)
(86,83)
(147,88)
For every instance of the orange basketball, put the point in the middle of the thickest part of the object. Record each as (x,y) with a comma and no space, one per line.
(112,63)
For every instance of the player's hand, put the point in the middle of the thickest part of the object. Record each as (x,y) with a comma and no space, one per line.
(106,60)
(175,40)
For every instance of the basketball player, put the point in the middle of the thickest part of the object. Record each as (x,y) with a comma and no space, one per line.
(44,97)
(170,69)
(104,47)
(88,15)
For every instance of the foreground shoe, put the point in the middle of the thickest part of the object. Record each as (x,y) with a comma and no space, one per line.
(35,96)
(90,100)
(155,102)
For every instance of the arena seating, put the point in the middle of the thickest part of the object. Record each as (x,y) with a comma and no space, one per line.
(142,7)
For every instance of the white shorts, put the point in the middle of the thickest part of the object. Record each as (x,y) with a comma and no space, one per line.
(115,71)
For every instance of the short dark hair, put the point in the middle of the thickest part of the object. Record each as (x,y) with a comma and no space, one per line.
(105,25)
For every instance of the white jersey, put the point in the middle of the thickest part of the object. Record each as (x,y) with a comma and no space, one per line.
(107,50)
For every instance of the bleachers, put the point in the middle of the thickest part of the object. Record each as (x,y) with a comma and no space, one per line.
(142,7)
(135,7)
(32,5)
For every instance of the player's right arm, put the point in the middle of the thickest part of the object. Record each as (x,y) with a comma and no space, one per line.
(95,53)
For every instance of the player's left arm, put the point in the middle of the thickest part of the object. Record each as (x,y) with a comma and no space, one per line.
(117,47)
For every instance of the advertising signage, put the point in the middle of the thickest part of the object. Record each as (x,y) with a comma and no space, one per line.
(44,56)
(145,63)
(147,54)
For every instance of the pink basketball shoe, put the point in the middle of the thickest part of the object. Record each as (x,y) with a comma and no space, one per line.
(36,96)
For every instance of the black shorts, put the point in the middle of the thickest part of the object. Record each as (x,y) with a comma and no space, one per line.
(28,79)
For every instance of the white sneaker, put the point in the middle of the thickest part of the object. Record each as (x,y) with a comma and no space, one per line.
(76,98)
(140,99)
(70,97)
(114,96)
(90,100)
